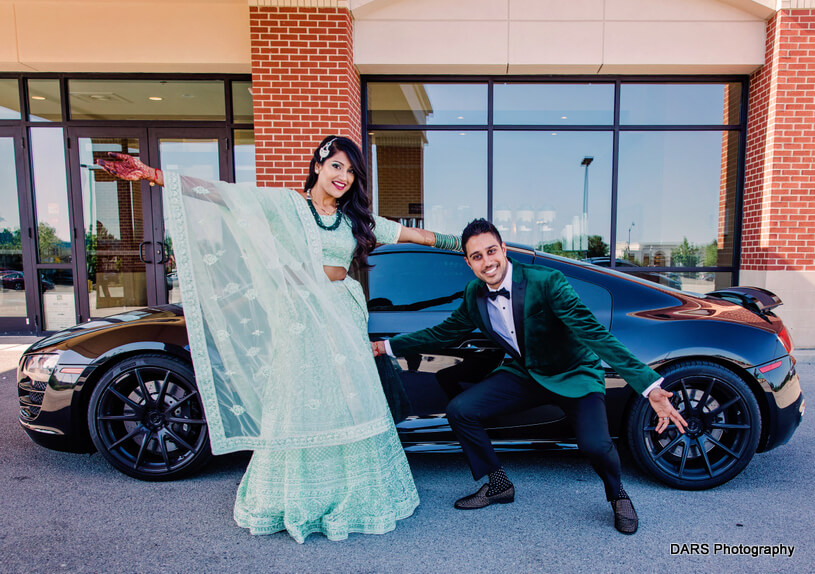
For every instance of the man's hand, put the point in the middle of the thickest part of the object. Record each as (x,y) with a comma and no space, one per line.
(130,168)
(659,399)
(378,348)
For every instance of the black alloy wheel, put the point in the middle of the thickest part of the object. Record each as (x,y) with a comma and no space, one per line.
(724,427)
(146,418)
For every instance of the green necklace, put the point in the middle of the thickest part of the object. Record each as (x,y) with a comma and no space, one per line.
(317,217)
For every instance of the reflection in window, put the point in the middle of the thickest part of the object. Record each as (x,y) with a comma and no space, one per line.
(51,193)
(9,100)
(436,180)
(147,100)
(114,230)
(553,191)
(680,104)
(44,102)
(426,104)
(242,111)
(58,300)
(399,281)
(676,198)
(554,104)
(695,282)
(12,283)
(245,156)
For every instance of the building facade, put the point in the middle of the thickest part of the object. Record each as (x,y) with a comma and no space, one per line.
(671,139)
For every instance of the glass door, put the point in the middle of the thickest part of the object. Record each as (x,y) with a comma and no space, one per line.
(120,254)
(16,289)
(198,153)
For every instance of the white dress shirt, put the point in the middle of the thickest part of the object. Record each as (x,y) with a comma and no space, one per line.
(503,323)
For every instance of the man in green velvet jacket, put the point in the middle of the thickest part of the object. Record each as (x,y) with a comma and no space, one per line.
(553,345)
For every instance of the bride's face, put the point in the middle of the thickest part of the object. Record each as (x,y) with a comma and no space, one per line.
(335,175)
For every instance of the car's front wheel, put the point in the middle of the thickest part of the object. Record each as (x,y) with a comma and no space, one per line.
(146,418)
(724,427)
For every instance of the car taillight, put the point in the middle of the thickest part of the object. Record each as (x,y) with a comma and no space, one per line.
(786,340)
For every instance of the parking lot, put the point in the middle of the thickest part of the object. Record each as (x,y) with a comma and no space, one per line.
(65,512)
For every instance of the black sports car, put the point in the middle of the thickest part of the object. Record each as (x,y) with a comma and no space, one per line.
(125,385)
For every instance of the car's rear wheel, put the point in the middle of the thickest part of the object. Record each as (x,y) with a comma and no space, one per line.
(146,418)
(724,427)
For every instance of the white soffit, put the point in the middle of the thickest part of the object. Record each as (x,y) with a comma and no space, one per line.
(557,37)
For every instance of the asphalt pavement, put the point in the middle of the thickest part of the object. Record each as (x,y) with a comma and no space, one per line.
(65,512)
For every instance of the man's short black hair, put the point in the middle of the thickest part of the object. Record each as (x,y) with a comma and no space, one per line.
(477,227)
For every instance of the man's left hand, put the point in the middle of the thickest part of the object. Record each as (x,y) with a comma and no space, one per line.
(660,402)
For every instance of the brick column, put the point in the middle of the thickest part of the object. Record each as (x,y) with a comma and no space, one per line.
(778,241)
(304,85)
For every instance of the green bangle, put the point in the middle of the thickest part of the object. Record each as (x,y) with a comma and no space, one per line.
(448,242)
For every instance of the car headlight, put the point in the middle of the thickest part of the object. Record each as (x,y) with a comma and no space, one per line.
(40,367)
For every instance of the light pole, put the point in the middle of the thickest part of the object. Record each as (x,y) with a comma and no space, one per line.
(585,221)
(628,245)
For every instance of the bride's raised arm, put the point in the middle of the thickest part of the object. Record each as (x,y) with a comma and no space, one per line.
(130,168)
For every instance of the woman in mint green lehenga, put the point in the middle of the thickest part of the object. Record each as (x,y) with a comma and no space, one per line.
(278,337)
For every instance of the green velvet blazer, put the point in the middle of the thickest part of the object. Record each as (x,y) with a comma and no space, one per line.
(561,340)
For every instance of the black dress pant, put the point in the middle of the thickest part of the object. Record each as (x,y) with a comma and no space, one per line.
(504,393)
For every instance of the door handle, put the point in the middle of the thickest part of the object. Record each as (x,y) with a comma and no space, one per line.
(141,251)
(163,247)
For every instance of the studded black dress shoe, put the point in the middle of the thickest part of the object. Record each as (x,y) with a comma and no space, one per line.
(480,498)
(625,517)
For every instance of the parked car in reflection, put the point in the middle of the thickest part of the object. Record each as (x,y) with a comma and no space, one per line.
(668,279)
(125,385)
(15,280)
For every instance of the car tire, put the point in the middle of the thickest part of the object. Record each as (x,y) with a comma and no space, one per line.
(146,418)
(724,427)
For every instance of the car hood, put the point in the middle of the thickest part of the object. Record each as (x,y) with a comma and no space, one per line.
(145,314)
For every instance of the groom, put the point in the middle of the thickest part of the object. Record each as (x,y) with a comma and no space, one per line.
(554,345)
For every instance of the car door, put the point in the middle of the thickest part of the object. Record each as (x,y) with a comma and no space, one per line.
(414,288)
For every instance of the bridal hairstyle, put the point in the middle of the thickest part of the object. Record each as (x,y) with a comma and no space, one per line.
(354,203)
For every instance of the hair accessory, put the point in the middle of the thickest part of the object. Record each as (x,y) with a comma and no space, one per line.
(326,149)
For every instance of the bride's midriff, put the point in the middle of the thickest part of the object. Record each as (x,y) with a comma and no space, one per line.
(335,273)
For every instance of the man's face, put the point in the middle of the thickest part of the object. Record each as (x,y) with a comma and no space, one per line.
(487,258)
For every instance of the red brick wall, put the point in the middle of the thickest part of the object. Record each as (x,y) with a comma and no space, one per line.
(779,192)
(304,87)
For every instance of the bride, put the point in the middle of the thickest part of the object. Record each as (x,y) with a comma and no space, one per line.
(278,336)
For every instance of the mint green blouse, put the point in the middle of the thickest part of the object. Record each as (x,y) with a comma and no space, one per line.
(339,244)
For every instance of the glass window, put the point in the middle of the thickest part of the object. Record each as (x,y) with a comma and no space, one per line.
(676,198)
(436,180)
(245,156)
(147,100)
(552,191)
(12,284)
(114,230)
(554,104)
(427,104)
(195,157)
(680,104)
(399,281)
(44,101)
(242,111)
(51,195)
(58,299)
(9,100)
(695,282)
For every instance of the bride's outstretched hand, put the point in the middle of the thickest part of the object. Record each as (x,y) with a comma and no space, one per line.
(130,168)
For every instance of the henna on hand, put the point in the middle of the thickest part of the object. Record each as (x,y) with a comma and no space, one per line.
(130,168)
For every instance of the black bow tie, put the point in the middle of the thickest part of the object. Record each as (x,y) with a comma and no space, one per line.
(502,292)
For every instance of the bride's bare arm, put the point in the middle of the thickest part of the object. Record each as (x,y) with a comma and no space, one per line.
(130,168)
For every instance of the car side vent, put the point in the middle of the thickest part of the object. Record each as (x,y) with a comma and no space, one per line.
(30,395)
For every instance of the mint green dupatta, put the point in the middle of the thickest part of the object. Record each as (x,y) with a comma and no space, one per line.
(278,363)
